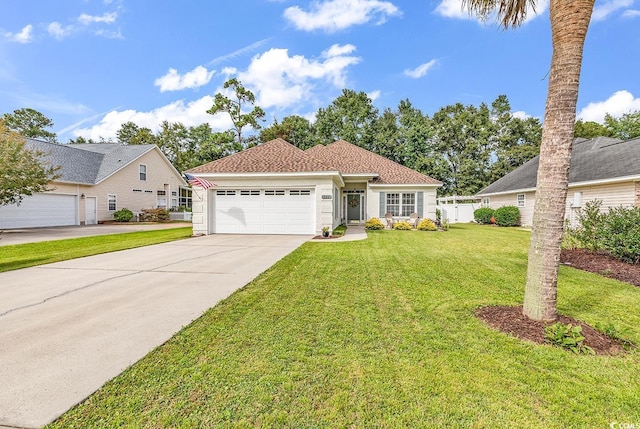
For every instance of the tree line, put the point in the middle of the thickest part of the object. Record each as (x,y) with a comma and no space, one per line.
(464,146)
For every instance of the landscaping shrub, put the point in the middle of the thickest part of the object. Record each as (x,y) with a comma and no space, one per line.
(404,226)
(590,221)
(123,215)
(427,225)
(620,234)
(374,223)
(507,216)
(483,215)
(154,215)
(568,337)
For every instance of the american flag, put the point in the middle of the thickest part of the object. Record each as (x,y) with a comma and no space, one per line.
(197,181)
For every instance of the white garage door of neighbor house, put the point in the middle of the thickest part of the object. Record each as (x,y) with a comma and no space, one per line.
(40,210)
(271,211)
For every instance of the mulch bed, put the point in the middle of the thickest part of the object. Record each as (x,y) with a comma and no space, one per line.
(320,237)
(511,321)
(601,263)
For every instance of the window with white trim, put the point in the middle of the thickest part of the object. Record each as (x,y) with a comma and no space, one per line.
(274,192)
(111,203)
(521,200)
(250,192)
(401,203)
(223,192)
(486,202)
(143,171)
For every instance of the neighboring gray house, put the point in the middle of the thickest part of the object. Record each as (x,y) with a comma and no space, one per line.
(96,180)
(602,168)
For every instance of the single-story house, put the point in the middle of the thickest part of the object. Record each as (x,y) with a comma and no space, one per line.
(95,181)
(277,188)
(602,168)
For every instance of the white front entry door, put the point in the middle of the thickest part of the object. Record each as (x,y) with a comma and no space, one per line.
(90,211)
(260,211)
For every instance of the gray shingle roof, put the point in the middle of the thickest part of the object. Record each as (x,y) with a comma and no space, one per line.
(601,158)
(88,163)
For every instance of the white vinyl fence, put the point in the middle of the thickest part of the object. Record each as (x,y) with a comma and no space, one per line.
(457,209)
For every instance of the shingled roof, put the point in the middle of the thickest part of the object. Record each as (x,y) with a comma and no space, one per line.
(88,163)
(280,156)
(601,158)
(351,159)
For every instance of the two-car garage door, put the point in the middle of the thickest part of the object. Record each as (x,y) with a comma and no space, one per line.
(40,210)
(264,211)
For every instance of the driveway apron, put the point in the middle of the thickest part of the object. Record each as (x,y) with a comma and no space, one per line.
(67,328)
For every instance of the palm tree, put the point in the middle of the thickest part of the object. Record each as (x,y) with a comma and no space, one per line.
(569,25)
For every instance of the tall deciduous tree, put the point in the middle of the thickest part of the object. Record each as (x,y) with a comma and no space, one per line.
(22,171)
(590,129)
(235,107)
(30,123)
(350,117)
(131,134)
(295,129)
(625,127)
(569,24)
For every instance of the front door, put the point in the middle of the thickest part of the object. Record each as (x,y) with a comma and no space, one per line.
(354,203)
(90,206)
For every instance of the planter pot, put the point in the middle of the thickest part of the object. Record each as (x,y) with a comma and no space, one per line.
(325,234)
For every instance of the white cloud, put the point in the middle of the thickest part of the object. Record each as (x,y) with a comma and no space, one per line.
(335,15)
(58,31)
(421,70)
(107,18)
(192,113)
(280,80)
(619,103)
(374,95)
(521,114)
(173,81)
(631,13)
(24,36)
(454,9)
(602,10)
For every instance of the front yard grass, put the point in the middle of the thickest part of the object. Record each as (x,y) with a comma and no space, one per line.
(30,254)
(381,333)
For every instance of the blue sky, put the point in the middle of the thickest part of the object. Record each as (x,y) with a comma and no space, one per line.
(91,65)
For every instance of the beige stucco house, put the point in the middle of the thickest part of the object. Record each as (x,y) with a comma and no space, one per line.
(277,188)
(602,168)
(95,181)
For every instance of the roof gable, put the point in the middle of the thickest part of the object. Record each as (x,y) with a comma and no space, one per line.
(275,156)
(351,159)
(601,158)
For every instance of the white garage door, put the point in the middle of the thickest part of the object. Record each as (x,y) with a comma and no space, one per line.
(40,210)
(270,211)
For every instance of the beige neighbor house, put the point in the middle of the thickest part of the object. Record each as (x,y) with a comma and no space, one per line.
(602,168)
(276,188)
(95,181)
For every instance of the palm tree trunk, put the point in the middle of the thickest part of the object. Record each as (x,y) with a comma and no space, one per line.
(569,24)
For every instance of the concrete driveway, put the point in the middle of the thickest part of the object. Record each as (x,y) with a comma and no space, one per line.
(34,235)
(67,328)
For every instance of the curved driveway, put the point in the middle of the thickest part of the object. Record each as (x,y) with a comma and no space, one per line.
(67,328)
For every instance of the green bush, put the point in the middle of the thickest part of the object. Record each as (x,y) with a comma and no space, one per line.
(568,337)
(154,215)
(620,234)
(427,225)
(507,216)
(123,215)
(590,221)
(403,226)
(374,223)
(483,215)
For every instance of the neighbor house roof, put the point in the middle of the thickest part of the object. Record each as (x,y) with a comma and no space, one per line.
(275,156)
(280,156)
(351,159)
(598,159)
(89,163)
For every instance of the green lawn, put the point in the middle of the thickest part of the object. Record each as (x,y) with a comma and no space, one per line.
(45,252)
(381,333)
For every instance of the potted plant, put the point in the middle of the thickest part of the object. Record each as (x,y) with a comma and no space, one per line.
(325,231)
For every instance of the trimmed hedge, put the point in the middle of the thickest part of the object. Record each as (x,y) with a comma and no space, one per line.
(374,223)
(404,226)
(123,215)
(427,225)
(483,215)
(507,216)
